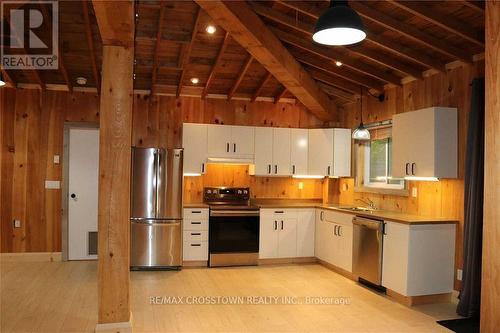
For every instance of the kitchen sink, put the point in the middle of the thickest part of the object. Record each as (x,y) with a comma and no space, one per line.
(358,209)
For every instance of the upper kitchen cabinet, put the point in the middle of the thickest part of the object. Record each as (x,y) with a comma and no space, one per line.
(194,142)
(234,142)
(272,151)
(299,151)
(330,152)
(425,144)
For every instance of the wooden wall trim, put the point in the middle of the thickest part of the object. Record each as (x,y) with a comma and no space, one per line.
(490,294)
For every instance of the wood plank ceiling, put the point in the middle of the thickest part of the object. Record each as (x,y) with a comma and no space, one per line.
(406,40)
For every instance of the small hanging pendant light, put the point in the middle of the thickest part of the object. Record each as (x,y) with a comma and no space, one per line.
(339,25)
(361,133)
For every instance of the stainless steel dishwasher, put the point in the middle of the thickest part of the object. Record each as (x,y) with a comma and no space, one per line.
(367,249)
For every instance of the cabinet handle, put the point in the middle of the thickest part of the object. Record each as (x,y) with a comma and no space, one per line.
(339,231)
(195,234)
(279,212)
(406,168)
(234,147)
(275,225)
(293,169)
(195,222)
(321,215)
(195,244)
(328,170)
(413,165)
(269,168)
(281,224)
(227,147)
(335,230)
(202,167)
(196,212)
(275,168)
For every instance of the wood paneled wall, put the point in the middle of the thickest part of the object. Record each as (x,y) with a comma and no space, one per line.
(32,133)
(443,198)
(32,124)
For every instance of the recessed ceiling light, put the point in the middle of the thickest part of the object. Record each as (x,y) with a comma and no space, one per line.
(136,15)
(195,80)
(210,29)
(338,63)
(81,80)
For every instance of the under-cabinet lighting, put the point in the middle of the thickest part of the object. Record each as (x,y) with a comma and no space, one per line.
(308,176)
(428,179)
(191,174)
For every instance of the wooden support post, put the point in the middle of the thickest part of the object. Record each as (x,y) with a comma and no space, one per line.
(116,25)
(490,293)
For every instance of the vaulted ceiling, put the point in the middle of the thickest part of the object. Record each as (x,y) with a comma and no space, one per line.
(406,40)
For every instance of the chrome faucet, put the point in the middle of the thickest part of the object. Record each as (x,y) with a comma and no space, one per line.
(368,202)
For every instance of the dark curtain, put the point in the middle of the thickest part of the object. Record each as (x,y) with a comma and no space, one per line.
(470,296)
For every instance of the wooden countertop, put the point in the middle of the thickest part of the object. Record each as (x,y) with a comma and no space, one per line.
(381,214)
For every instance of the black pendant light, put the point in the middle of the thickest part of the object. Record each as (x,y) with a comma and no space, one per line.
(361,133)
(339,25)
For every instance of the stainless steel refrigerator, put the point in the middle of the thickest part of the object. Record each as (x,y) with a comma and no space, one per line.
(156,208)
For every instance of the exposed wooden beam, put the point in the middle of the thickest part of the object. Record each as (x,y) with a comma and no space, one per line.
(447,22)
(7,78)
(62,66)
(187,53)
(250,32)
(418,57)
(348,75)
(116,21)
(261,86)
(280,95)
(476,5)
(243,71)
(409,31)
(325,76)
(332,55)
(90,45)
(336,92)
(154,72)
(215,65)
(308,29)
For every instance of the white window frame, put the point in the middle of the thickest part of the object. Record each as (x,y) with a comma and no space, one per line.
(366,170)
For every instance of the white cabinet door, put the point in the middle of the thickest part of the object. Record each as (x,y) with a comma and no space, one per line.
(281,151)
(287,238)
(319,237)
(268,242)
(331,243)
(263,151)
(320,153)
(344,258)
(299,151)
(341,152)
(305,232)
(395,257)
(401,155)
(219,140)
(242,141)
(194,142)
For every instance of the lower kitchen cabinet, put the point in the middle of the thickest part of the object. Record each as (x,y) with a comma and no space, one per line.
(286,233)
(195,234)
(418,259)
(333,242)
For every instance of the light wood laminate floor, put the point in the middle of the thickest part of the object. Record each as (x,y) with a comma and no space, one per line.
(62,297)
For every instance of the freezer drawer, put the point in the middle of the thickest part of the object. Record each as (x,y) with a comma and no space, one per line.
(156,244)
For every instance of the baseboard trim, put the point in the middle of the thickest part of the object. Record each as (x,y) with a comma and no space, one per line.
(30,257)
(121,327)
(279,261)
(419,300)
(338,270)
(194,263)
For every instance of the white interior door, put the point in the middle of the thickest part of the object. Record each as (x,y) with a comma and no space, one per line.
(82,193)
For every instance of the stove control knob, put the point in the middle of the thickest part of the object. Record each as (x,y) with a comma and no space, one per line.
(245,192)
(239,191)
(209,191)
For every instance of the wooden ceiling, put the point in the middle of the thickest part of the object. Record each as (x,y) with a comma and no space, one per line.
(406,40)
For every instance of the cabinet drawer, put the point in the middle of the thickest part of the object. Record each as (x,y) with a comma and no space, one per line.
(336,217)
(278,213)
(195,251)
(195,224)
(196,213)
(195,236)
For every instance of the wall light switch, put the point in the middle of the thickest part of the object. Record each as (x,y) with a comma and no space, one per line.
(414,192)
(52,184)
(17,223)
(301,185)
(459,274)
(56,159)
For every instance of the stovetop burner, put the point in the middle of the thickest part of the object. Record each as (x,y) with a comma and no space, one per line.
(228,198)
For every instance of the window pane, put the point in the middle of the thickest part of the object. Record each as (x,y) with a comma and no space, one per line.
(378,154)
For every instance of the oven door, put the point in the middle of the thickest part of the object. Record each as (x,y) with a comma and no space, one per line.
(234,232)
